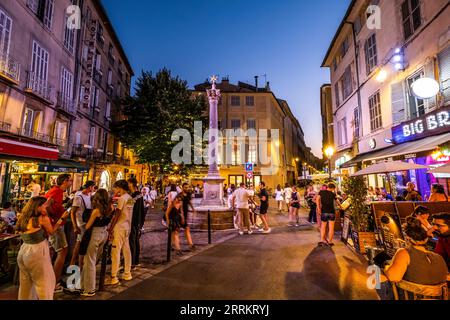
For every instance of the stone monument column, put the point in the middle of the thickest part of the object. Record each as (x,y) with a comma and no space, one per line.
(213,183)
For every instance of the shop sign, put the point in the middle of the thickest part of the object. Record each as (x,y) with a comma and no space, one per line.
(56,169)
(427,125)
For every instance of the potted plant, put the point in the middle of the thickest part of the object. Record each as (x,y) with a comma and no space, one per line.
(356,189)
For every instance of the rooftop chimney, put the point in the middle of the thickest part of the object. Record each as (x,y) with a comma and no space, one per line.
(256,83)
(268,86)
(225,79)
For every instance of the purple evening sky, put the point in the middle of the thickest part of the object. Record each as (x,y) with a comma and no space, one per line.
(284,39)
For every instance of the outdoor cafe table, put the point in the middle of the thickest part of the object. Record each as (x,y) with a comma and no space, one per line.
(4,243)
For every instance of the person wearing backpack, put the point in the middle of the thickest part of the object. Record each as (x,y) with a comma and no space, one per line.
(81,206)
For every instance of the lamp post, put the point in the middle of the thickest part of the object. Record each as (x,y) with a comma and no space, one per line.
(329,152)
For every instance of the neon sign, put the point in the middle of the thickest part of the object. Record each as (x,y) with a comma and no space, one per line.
(427,125)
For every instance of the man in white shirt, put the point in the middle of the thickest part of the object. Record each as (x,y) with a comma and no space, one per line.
(287,195)
(153,197)
(240,201)
(81,202)
(34,187)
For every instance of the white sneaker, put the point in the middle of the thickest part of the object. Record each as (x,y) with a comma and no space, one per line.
(241,233)
(127,277)
(267,231)
(250,231)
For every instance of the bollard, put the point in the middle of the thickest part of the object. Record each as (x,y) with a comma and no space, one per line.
(105,255)
(169,241)
(209,226)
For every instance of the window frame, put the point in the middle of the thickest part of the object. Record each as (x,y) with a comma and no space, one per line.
(376,120)
(371,53)
(234,99)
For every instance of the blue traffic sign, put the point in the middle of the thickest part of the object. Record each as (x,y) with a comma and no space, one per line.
(249,167)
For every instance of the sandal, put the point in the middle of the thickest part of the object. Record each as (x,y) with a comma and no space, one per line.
(322,244)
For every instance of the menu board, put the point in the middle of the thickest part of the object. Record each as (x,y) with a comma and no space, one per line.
(346,228)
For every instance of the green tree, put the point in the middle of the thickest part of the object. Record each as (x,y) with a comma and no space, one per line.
(356,189)
(161,105)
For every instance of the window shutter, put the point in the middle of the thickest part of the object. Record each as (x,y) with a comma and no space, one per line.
(48,17)
(77,138)
(398,102)
(5,34)
(429,71)
(444,73)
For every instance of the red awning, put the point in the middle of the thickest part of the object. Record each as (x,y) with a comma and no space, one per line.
(21,149)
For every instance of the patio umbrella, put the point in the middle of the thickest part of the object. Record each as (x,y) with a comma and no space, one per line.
(387,167)
(443,169)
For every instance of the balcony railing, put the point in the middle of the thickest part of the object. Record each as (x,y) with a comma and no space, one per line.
(110,90)
(63,147)
(80,151)
(25,132)
(66,103)
(9,68)
(38,86)
(98,75)
(5,126)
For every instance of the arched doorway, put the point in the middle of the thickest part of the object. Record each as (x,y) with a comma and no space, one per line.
(119,176)
(105,180)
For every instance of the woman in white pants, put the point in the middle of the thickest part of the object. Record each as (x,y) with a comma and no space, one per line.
(37,278)
(98,222)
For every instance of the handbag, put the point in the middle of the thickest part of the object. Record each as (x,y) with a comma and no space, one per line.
(86,213)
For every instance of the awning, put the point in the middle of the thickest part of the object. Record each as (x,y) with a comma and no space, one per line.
(22,149)
(63,166)
(413,147)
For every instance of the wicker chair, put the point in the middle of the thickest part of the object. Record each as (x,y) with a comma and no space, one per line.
(420,292)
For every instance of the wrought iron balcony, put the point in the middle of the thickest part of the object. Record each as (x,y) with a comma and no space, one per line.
(9,68)
(38,86)
(98,75)
(110,90)
(66,103)
(5,126)
(80,151)
(26,132)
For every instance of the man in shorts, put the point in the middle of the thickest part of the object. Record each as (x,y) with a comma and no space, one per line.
(264,206)
(326,201)
(81,202)
(287,195)
(58,240)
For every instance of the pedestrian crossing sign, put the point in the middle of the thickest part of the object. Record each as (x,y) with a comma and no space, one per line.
(249,167)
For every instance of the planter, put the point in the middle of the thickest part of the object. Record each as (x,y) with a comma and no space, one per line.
(362,239)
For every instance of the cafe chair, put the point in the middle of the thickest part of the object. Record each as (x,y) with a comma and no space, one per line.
(420,292)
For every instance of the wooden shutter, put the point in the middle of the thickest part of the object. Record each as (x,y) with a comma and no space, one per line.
(444,73)
(398,102)
(429,71)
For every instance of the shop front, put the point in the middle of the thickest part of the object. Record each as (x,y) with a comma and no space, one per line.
(425,141)
(21,175)
(19,163)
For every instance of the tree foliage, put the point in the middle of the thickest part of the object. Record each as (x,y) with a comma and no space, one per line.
(355,188)
(160,105)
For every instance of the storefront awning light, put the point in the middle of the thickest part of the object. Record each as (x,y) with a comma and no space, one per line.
(425,88)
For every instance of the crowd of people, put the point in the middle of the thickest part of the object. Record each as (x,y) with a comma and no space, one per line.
(97,217)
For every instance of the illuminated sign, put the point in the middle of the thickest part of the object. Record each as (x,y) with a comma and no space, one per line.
(428,125)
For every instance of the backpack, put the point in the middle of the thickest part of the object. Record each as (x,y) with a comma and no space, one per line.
(86,213)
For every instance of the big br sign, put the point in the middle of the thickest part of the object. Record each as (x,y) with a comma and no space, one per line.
(427,125)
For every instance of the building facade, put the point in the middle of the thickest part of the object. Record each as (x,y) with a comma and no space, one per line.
(248,107)
(375,58)
(45,127)
(326,111)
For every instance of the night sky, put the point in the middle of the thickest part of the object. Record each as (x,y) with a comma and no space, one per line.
(284,39)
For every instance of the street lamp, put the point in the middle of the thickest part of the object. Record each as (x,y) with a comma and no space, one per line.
(329,152)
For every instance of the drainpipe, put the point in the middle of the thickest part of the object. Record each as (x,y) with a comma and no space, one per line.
(358,90)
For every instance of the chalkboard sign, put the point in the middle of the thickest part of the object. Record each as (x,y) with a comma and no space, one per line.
(346,228)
